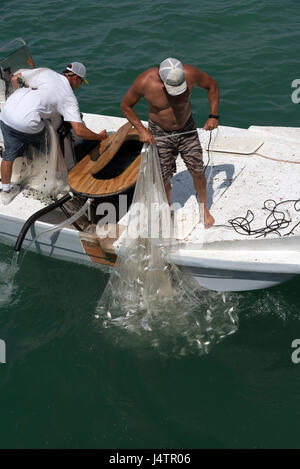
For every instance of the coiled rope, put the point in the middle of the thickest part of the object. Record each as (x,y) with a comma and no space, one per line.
(276,159)
(275,222)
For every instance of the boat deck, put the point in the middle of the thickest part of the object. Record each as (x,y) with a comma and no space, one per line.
(239,183)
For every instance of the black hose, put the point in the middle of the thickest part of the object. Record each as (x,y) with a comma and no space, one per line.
(35,217)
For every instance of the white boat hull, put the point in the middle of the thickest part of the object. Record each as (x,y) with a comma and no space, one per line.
(208,273)
(235,280)
(241,265)
(64,245)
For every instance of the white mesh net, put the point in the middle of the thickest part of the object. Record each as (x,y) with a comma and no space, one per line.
(42,170)
(149,296)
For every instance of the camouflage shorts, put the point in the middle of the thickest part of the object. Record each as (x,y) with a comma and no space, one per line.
(168,148)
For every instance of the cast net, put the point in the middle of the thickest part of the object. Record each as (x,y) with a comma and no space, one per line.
(147,295)
(42,170)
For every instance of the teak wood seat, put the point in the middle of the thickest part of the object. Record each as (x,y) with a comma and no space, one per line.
(82,178)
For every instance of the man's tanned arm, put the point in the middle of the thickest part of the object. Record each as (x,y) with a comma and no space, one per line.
(131,98)
(203,80)
(83,132)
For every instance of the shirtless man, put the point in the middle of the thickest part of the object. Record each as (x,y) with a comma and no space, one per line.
(167,89)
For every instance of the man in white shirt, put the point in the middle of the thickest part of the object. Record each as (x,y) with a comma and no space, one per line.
(46,94)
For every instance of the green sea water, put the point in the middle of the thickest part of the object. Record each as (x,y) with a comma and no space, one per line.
(69,382)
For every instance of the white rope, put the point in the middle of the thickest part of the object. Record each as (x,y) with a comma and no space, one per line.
(175,135)
(258,154)
(276,159)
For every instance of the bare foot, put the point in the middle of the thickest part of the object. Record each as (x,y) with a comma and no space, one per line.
(208,219)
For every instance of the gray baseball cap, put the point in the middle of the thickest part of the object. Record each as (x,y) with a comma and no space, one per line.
(79,69)
(171,72)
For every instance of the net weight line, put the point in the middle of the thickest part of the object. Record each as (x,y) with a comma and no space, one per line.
(176,135)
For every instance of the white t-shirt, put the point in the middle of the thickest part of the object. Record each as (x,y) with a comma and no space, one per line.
(26,107)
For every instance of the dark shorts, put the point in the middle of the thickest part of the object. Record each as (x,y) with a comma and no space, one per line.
(16,143)
(168,148)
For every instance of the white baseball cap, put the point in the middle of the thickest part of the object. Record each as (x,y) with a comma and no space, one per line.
(79,69)
(171,72)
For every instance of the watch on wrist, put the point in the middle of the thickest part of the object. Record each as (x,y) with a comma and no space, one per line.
(213,116)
